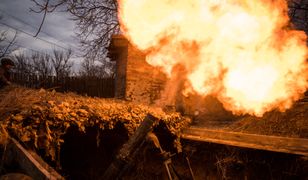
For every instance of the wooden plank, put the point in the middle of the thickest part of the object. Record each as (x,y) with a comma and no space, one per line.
(31,163)
(297,146)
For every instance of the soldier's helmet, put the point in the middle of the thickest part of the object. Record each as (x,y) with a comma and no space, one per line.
(7,61)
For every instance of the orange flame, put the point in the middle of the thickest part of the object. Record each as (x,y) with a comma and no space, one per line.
(241,51)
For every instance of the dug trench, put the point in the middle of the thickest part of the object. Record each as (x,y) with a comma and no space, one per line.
(88,155)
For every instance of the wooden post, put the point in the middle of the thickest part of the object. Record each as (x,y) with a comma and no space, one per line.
(123,157)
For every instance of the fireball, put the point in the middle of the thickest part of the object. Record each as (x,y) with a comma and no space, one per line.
(244,52)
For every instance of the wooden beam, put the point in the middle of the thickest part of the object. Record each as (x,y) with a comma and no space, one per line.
(30,162)
(297,146)
(125,155)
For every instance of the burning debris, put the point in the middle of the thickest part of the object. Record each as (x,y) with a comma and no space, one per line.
(245,53)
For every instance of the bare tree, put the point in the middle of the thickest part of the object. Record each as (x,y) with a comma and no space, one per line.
(6,45)
(23,64)
(61,64)
(90,68)
(45,7)
(41,63)
(96,20)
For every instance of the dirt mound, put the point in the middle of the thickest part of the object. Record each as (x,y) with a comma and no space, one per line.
(292,123)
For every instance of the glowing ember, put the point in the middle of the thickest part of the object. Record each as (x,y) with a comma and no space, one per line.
(241,51)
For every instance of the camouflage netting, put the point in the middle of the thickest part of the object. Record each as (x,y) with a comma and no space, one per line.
(42,117)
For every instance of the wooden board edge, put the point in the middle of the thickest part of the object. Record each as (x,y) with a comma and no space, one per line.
(31,164)
(300,146)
